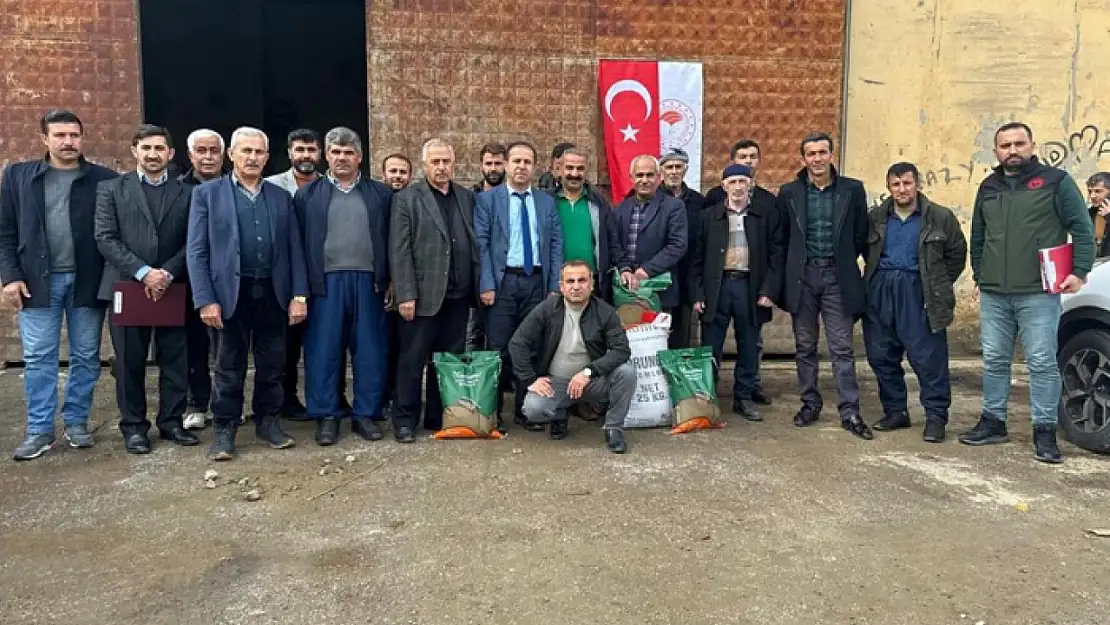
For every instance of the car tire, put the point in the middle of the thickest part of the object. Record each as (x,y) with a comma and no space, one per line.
(1085,355)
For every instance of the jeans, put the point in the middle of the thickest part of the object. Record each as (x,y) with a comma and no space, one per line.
(1035,318)
(41,335)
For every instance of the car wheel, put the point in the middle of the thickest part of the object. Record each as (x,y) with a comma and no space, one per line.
(1085,397)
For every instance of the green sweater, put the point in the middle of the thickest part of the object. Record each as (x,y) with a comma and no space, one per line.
(1015,216)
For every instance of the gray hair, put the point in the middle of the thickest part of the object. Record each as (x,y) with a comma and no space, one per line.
(202,133)
(649,157)
(434,142)
(243,132)
(1102,178)
(343,137)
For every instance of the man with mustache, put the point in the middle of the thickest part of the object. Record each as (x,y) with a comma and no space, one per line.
(674,164)
(825,219)
(650,233)
(50,268)
(246,266)
(206,158)
(142,220)
(1022,207)
(344,220)
(1098,194)
(433,260)
(916,252)
(492,157)
(303,147)
(396,171)
(521,245)
(586,219)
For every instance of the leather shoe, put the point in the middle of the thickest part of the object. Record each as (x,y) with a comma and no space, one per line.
(614,440)
(856,426)
(806,417)
(759,397)
(559,429)
(746,408)
(528,425)
(179,435)
(899,420)
(367,429)
(934,431)
(404,434)
(137,444)
(327,432)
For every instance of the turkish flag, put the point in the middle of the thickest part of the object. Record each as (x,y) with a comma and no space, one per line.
(649,107)
(629,92)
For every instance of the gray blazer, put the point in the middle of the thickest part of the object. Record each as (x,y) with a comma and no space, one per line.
(285,180)
(130,233)
(420,245)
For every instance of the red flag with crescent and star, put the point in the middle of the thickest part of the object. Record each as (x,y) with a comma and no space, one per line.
(649,107)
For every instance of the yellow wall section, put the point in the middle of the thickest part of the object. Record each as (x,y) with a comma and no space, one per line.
(928,81)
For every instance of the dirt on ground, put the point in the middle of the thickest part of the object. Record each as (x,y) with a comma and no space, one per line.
(758,523)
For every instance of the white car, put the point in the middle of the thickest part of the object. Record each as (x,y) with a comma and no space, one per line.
(1084,359)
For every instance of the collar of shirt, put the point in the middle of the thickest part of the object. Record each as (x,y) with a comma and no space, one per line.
(338,185)
(251,194)
(527,192)
(161,180)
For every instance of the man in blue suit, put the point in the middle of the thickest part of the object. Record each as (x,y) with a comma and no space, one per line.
(521,246)
(345,222)
(246,267)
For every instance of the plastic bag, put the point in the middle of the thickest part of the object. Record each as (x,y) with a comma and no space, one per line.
(631,305)
(468,384)
(651,405)
(692,381)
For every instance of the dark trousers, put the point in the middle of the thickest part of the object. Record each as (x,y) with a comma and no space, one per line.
(895,325)
(681,322)
(393,323)
(444,331)
(476,329)
(734,306)
(132,344)
(821,299)
(351,315)
(257,326)
(198,352)
(518,295)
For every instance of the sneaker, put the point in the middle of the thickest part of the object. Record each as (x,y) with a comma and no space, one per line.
(989,431)
(1044,444)
(196,420)
(79,436)
(33,446)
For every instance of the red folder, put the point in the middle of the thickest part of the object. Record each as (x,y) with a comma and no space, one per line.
(1056,266)
(131,306)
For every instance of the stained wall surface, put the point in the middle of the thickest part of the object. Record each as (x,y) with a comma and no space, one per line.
(929,82)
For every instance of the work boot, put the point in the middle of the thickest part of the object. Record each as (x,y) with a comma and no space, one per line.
(223,445)
(1044,444)
(33,446)
(269,430)
(989,431)
(79,436)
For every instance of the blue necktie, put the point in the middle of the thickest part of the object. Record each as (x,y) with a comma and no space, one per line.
(529,262)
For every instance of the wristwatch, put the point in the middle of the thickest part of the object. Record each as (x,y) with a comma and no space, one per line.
(300,299)
(586,372)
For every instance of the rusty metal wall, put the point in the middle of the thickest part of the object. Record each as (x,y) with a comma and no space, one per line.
(470,71)
(81,55)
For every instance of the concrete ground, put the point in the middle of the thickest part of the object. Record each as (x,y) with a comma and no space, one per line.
(756,523)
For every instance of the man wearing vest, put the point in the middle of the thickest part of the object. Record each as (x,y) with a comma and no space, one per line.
(1022,207)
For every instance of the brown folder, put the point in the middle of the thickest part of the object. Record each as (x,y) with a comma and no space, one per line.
(131,306)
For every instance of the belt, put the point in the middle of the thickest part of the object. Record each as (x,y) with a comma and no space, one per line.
(820,262)
(735,274)
(519,271)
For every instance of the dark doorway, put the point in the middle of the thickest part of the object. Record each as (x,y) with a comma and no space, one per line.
(273,64)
